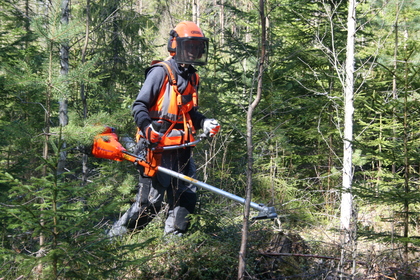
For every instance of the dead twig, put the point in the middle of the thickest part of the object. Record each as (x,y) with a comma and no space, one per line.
(270,254)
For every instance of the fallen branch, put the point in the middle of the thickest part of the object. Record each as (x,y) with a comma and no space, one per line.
(269,254)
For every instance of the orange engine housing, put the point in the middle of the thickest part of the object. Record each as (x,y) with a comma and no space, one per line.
(106,146)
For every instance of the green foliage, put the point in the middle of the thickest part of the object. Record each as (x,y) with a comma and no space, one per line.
(65,215)
(388,143)
(297,130)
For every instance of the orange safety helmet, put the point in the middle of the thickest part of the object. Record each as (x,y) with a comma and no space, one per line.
(187,44)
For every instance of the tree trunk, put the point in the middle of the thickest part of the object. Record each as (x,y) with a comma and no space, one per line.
(45,152)
(64,63)
(347,197)
(394,76)
(196,11)
(347,200)
(251,108)
(83,94)
(406,207)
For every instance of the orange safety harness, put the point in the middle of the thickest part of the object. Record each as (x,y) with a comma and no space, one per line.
(172,106)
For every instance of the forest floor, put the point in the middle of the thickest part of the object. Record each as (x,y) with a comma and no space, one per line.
(375,254)
(210,251)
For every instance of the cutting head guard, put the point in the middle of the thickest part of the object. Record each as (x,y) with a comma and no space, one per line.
(187,44)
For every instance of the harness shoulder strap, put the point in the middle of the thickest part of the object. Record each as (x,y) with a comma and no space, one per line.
(194,79)
(166,66)
(172,80)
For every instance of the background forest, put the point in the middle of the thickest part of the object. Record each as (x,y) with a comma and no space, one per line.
(69,67)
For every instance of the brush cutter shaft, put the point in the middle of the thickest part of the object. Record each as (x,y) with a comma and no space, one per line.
(207,187)
(265,212)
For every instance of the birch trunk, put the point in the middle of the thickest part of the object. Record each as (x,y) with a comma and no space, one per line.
(346,198)
(348,243)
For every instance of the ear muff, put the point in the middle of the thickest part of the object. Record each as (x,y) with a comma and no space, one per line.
(172,42)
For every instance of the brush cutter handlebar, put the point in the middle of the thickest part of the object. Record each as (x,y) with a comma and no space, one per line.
(174,147)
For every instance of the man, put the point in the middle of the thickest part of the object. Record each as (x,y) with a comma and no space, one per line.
(165,112)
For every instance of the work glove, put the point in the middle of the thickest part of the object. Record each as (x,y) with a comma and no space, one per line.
(152,135)
(211,127)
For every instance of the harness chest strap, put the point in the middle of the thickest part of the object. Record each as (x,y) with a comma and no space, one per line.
(182,102)
(173,82)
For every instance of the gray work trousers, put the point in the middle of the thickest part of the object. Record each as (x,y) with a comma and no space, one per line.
(181,196)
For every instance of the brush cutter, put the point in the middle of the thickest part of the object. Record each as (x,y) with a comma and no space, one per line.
(106,145)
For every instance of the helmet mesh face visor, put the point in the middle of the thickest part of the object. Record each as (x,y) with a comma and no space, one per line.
(192,50)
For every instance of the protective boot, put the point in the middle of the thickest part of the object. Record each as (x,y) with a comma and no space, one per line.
(177,220)
(148,203)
